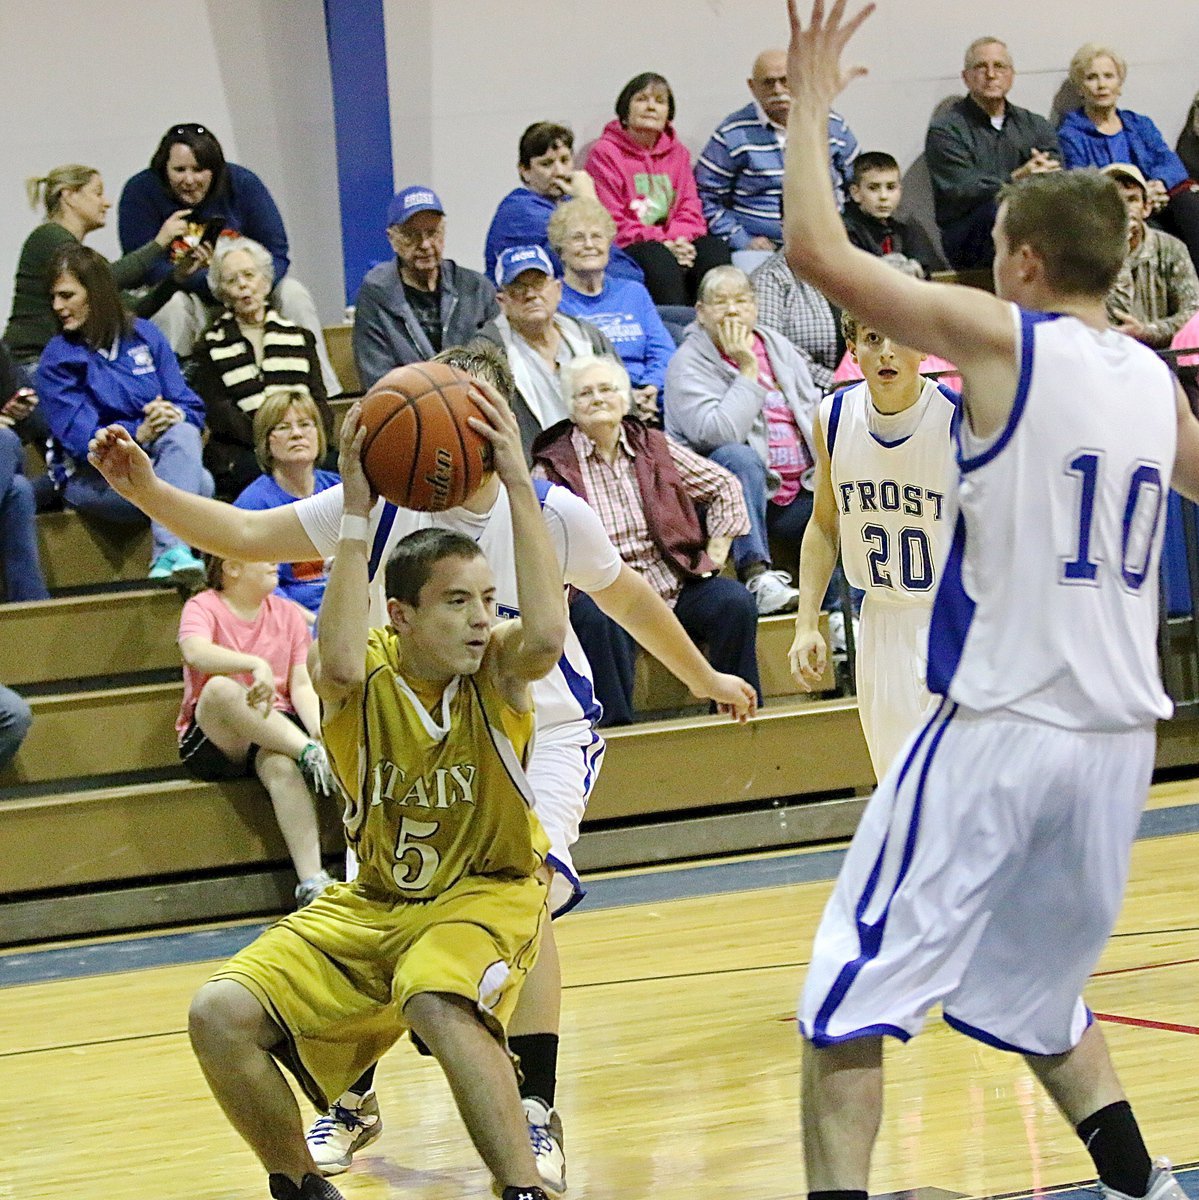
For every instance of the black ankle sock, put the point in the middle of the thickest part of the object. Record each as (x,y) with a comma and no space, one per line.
(835,1195)
(365,1082)
(525,1193)
(538,1054)
(1113,1140)
(282,1187)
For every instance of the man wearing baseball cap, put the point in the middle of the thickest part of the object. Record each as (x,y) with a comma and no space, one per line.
(413,306)
(536,337)
(1156,292)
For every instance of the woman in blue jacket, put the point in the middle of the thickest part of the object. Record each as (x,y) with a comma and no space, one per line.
(188,170)
(1099,133)
(107,368)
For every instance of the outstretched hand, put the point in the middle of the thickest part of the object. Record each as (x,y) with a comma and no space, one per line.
(358,497)
(123,463)
(814,71)
(501,430)
(732,696)
(808,658)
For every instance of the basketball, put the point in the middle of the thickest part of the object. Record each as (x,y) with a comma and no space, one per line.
(419,452)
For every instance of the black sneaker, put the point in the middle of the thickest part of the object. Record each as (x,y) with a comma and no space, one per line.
(312,1187)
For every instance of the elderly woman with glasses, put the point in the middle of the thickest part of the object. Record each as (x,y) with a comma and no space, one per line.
(188,170)
(646,489)
(289,441)
(581,233)
(249,348)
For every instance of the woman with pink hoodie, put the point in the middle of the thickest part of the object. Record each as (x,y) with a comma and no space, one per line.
(643,177)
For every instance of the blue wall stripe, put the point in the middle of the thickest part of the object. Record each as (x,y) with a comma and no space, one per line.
(362,127)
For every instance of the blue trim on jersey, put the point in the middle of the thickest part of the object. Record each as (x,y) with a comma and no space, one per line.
(1028,322)
(386,521)
(889,445)
(953,613)
(584,693)
(870,937)
(834,416)
(997,1043)
(542,488)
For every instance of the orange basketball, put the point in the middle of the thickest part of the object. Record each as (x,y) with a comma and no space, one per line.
(419,451)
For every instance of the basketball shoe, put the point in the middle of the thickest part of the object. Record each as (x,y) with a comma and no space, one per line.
(545,1133)
(312,1187)
(336,1137)
(773,592)
(1162,1185)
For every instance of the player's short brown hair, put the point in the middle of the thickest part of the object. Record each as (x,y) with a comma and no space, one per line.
(412,561)
(1076,222)
(483,360)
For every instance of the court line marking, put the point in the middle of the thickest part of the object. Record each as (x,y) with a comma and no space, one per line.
(1144,1023)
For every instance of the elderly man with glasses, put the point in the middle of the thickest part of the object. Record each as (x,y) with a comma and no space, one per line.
(413,307)
(978,144)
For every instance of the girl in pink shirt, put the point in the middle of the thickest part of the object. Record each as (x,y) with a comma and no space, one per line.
(249,706)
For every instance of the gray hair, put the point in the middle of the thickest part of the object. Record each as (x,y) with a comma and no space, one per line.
(719,275)
(258,253)
(1086,54)
(979,42)
(569,375)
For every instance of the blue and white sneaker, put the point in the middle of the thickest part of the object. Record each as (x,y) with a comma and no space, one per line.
(549,1145)
(336,1137)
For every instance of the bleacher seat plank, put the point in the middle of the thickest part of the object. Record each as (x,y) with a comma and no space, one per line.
(103,633)
(339,343)
(79,552)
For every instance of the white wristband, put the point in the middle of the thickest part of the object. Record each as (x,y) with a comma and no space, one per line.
(354,529)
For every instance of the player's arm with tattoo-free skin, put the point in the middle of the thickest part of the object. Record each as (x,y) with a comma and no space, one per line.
(528,648)
(970,328)
(639,610)
(268,535)
(1185,479)
(808,655)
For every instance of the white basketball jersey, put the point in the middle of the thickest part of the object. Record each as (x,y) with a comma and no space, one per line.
(894,497)
(589,560)
(1048,604)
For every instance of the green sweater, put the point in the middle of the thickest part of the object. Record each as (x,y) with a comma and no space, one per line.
(32,322)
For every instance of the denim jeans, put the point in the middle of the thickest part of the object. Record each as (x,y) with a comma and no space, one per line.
(176,456)
(18,531)
(15,719)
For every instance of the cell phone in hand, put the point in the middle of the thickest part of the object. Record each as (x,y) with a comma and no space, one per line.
(213,229)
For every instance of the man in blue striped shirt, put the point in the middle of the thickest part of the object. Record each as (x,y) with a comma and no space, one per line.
(740,172)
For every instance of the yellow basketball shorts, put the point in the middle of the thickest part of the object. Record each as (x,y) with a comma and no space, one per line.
(336,975)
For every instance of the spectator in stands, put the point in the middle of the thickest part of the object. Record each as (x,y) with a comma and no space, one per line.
(1099,133)
(537,339)
(740,172)
(411,308)
(1156,292)
(106,368)
(803,316)
(248,348)
(188,170)
(581,233)
(979,143)
(546,165)
(741,394)
(642,175)
(19,561)
(249,706)
(75,205)
(869,214)
(645,489)
(1188,140)
(15,719)
(289,440)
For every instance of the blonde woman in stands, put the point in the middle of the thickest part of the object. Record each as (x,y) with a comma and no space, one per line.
(248,349)
(289,440)
(249,706)
(75,205)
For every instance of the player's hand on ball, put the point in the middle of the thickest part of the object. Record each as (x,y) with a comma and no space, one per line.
(732,696)
(357,496)
(122,462)
(808,657)
(502,431)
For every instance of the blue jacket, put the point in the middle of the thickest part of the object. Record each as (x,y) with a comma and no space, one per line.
(1139,143)
(740,175)
(626,315)
(82,389)
(521,220)
(244,203)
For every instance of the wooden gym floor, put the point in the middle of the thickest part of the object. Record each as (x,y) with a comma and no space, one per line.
(679,1063)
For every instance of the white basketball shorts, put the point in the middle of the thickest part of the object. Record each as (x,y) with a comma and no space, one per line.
(893,698)
(986,876)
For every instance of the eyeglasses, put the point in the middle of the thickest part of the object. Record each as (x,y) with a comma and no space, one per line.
(305,426)
(583,237)
(596,390)
(525,291)
(415,237)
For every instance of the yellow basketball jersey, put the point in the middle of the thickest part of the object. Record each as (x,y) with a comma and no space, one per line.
(432,799)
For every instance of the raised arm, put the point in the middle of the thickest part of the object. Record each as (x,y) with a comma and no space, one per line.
(968,327)
(530,647)
(269,535)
